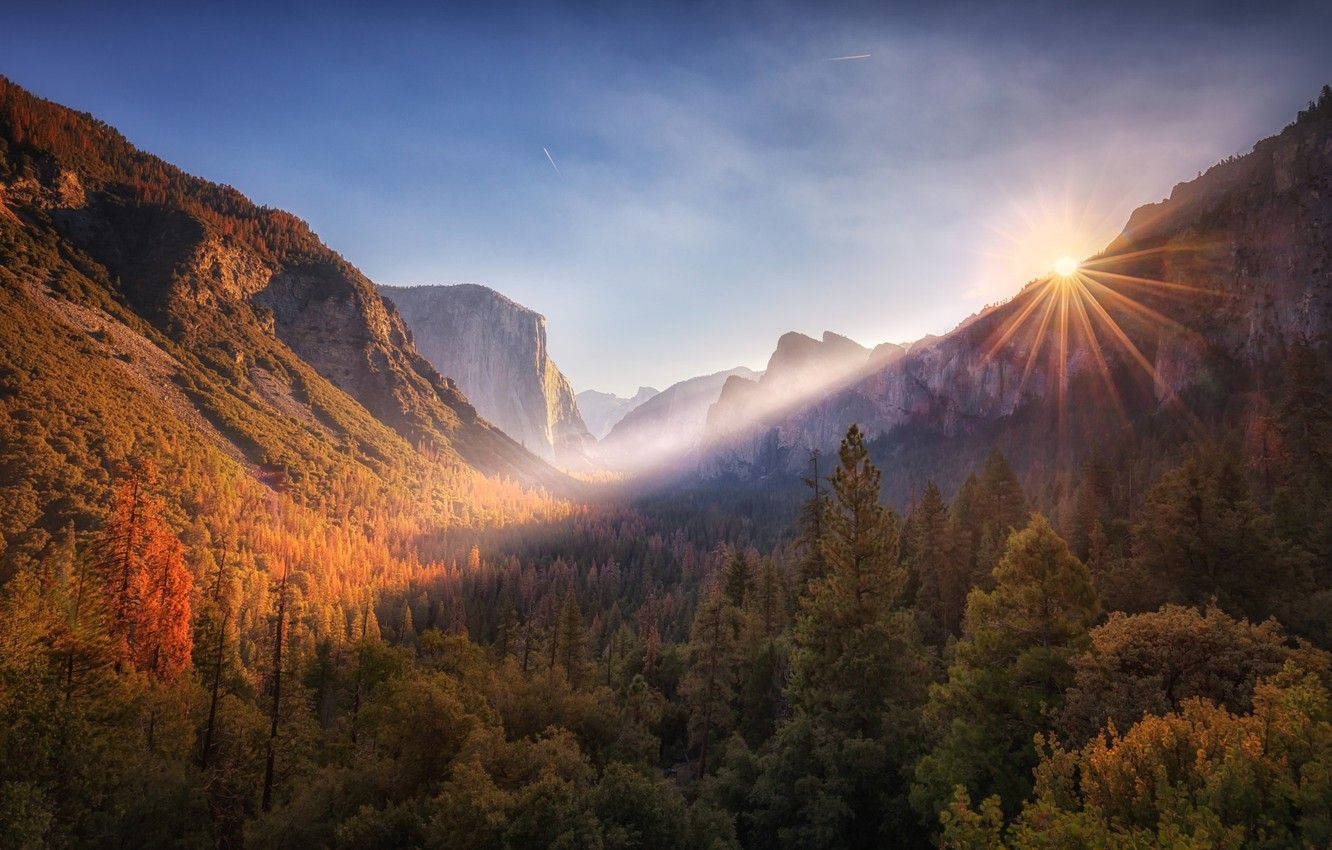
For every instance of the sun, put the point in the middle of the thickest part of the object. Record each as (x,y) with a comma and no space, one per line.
(1065,266)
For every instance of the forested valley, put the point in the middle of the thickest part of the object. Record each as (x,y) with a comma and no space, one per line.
(911,679)
(268,579)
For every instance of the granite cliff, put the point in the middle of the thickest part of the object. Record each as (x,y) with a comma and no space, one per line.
(495,349)
(669,424)
(276,337)
(1207,290)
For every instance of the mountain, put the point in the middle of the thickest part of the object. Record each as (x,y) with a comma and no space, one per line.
(1182,322)
(799,368)
(495,349)
(602,410)
(152,315)
(668,424)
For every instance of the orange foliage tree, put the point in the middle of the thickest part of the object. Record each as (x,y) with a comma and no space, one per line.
(145,581)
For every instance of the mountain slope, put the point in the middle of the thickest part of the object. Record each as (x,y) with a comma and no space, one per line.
(668,424)
(601,411)
(495,349)
(161,312)
(1206,291)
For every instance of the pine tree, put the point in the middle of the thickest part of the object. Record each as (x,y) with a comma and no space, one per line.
(1011,669)
(860,541)
(940,581)
(833,773)
(571,639)
(1005,505)
(736,580)
(145,583)
(708,687)
(812,567)
(1201,535)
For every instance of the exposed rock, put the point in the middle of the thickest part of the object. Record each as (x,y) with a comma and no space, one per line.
(601,411)
(1206,289)
(495,349)
(799,369)
(229,281)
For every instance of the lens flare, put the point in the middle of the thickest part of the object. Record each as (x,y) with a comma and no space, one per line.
(1078,313)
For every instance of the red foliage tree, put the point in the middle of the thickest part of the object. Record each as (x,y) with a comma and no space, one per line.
(145,581)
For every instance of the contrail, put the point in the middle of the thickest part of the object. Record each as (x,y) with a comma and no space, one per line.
(844,58)
(552,161)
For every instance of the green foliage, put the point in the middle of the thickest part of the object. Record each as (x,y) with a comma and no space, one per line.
(1198,777)
(1009,673)
(1151,663)
(1201,536)
(835,773)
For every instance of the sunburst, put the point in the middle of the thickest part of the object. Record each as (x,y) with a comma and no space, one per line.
(1073,309)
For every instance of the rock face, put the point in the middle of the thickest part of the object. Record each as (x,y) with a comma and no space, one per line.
(601,411)
(668,424)
(1206,290)
(800,368)
(264,309)
(495,350)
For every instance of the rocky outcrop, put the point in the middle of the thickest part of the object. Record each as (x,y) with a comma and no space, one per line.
(669,424)
(1195,304)
(495,350)
(239,285)
(799,369)
(601,411)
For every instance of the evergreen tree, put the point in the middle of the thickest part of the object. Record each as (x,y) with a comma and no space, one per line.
(144,579)
(1203,537)
(708,687)
(813,514)
(939,578)
(571,638)
(1009,674)
(736,580)
(835,775)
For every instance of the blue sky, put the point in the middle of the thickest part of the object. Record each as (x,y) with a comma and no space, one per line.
(720,182)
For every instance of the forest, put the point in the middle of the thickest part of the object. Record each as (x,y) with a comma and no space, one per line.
(968,673)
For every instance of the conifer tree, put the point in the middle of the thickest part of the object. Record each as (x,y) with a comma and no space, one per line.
(708,687)
(1203,537)
(940,581)
(145,583)
(736,580)
(834,774)
(1009,674)
(861,538)
(812,567)
(571,640)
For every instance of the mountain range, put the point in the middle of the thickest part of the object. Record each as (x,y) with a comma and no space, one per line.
(1180,322)
(601,411)
(235,326)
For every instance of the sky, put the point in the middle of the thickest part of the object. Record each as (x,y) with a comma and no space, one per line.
(717,175)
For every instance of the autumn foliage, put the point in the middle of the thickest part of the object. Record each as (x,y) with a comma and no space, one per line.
(146,585)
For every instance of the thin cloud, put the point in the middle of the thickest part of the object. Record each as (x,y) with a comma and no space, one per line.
(551,159)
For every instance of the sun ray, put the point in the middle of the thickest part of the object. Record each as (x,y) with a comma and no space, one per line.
(1038,339)
(1139,308)
(1101,260)
(1154,283)
(1094,346)
(1115,329)
(1008,328)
